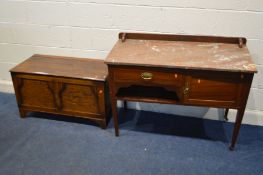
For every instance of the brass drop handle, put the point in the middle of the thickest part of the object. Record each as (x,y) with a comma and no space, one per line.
(186,88)
(146,75)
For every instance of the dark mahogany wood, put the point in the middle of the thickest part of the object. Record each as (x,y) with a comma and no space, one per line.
(160,69)
(62,85)
(191,38)
(225,114)
(79,68)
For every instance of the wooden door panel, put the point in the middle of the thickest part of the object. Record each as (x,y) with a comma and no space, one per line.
(35,93)
(79,98)
(214,91)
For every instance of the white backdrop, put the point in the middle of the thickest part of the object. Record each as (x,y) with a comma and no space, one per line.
(89,28)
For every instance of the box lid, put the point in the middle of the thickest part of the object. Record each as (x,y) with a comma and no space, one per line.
(81,68)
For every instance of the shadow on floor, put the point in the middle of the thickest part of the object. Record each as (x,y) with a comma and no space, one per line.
(168,124)
(156,123)
(64,118)
(143,121)
(38,146)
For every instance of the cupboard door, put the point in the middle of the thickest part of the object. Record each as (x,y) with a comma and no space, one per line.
(212,91)
(36,93)
(81,99)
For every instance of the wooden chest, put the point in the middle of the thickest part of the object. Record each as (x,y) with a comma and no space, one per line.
(62,85)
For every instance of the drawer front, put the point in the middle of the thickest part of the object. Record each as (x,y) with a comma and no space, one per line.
(212,91)
(80,99)
(36,93)
(144,76)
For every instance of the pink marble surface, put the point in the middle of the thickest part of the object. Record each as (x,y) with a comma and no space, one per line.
(178,54)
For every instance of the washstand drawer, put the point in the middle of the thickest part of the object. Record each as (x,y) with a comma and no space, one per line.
(144,76)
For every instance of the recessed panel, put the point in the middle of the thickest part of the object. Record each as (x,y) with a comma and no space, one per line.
(37,93)
(79,98)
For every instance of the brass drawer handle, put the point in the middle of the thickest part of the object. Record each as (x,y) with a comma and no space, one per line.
(147,75)
(186,89)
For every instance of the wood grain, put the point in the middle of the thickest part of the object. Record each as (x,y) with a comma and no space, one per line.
(79,68)
(47,84)
(185,70)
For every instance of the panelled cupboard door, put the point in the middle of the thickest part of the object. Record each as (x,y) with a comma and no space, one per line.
(36,93)
(79,98)
(213,90)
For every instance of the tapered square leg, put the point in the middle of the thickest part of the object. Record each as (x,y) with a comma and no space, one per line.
(239,117)
(225,115)
(115,116)
(125,105)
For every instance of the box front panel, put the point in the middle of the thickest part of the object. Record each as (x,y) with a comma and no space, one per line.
(36,93)
(79,98)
